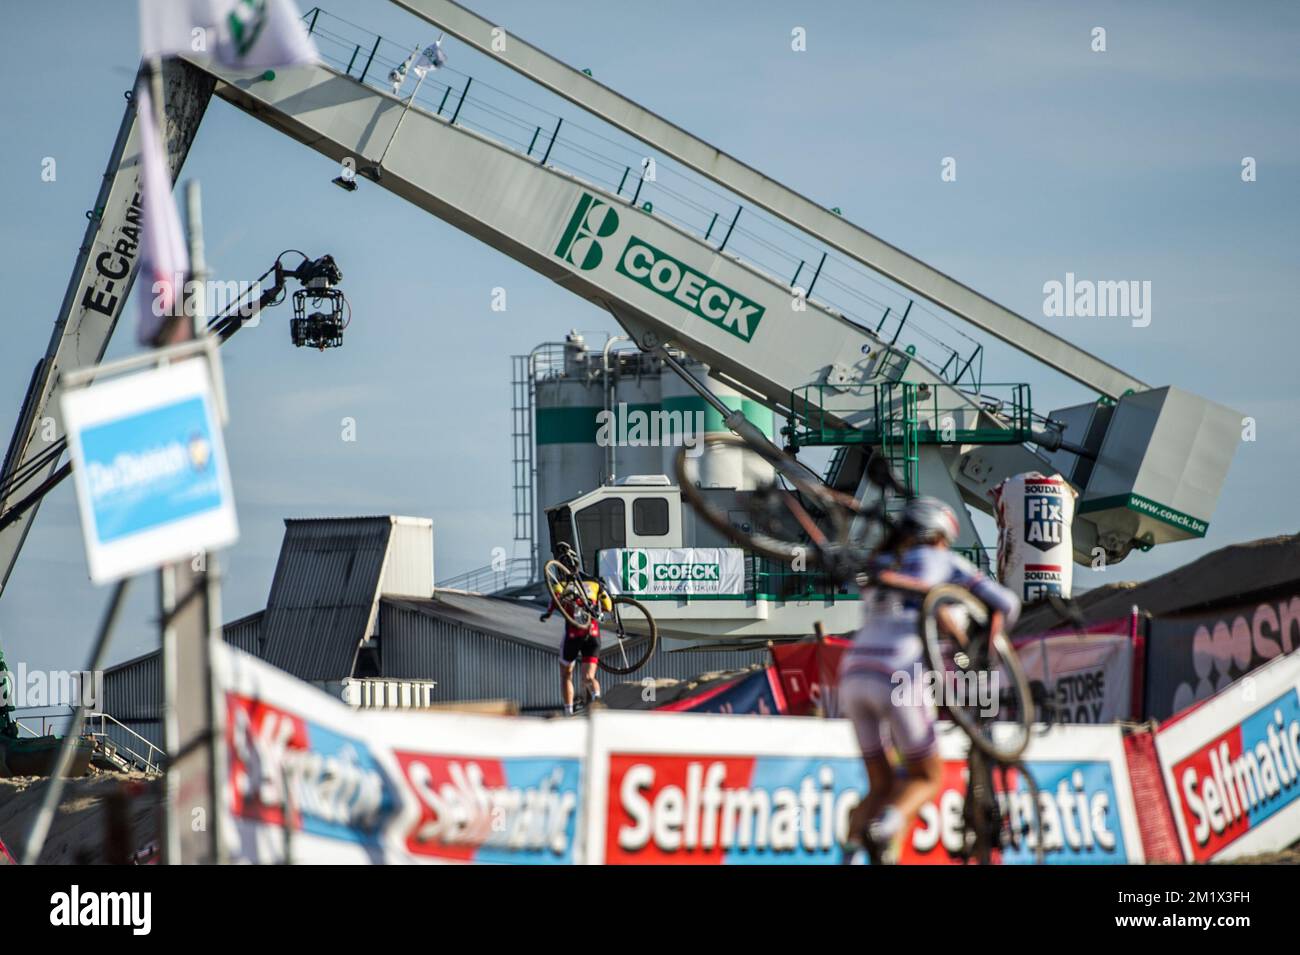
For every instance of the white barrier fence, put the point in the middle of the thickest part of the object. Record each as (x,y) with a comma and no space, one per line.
(1232,766)
(327,783)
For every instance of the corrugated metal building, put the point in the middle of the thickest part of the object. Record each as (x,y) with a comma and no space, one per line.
(353,598)
(324,598)
(133,689)
(484,648)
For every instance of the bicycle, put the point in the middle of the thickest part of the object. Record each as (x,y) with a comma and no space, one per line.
(635,633)
(793,516)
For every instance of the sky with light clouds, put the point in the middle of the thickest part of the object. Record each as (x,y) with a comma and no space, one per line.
(1117,165)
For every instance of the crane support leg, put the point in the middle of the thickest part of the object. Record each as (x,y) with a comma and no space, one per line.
(101,280)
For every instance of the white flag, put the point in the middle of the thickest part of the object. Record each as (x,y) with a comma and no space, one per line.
(430,59)
(397,75)
(246,34)
(163,259)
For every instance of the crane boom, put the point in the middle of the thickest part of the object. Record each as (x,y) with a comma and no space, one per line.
(1156,460)
(781,201)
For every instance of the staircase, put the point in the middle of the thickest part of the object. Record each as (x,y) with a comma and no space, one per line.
(898,423)
(129,752)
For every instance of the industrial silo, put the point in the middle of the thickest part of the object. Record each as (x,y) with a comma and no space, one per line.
(720,468)
(634,404)
(568,397)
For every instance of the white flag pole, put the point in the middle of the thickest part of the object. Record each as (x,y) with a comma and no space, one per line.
(419,81)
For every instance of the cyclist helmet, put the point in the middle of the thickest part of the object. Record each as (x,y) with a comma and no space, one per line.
(566,554)
(928,517)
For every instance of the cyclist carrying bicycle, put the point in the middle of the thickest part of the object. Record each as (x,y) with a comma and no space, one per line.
(916,558)
(578,641)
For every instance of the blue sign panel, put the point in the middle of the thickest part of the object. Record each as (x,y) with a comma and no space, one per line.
(151,469)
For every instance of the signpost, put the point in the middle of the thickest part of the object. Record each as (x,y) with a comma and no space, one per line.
(154,491)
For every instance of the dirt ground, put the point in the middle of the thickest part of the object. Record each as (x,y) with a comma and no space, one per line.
(102,818)
(1285,857)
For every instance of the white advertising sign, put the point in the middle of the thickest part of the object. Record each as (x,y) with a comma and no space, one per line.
(311,780)
(1232,766)
(1086,678)
(149,465)
(717,790)
(1035,548)
(666,571)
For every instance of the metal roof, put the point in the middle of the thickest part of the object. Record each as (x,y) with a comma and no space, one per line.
(511,619)
(1228,576)
(324,594)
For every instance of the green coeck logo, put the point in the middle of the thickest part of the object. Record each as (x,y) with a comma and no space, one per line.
(671,572)
(636,565)
(655,270)
(591,220)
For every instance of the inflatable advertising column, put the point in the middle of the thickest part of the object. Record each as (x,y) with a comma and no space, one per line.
(1035,550)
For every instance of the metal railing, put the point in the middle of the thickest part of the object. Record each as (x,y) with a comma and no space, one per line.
(826,414)
(491,578)
(612,160)
(774,579)
(24,728)
(985,558)
(150,761)
(48,721)
(138,750)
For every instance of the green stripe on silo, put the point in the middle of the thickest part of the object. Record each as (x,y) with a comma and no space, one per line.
(579,425)
(760,415)
(575,425)
(566,425)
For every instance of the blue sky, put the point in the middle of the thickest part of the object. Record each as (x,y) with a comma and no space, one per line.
(1116,165)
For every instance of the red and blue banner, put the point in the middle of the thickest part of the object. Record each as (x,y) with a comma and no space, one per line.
(714,791)
(1232,766)
(312,780)
(492,810)
(757,693)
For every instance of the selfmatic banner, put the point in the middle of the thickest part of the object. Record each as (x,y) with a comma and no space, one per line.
(1085,801)
(674,571)
(714,790)
(313,778)
(150,469)
(1232,766)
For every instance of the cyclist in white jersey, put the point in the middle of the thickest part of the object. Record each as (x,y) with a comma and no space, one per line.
(887,647)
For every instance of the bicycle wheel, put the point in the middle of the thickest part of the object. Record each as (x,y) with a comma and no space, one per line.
(791,513)
(635,636)
(569,594)
(981,815)
(1021,829)
(968,704)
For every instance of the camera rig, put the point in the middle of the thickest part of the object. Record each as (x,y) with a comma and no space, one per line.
(320,309)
